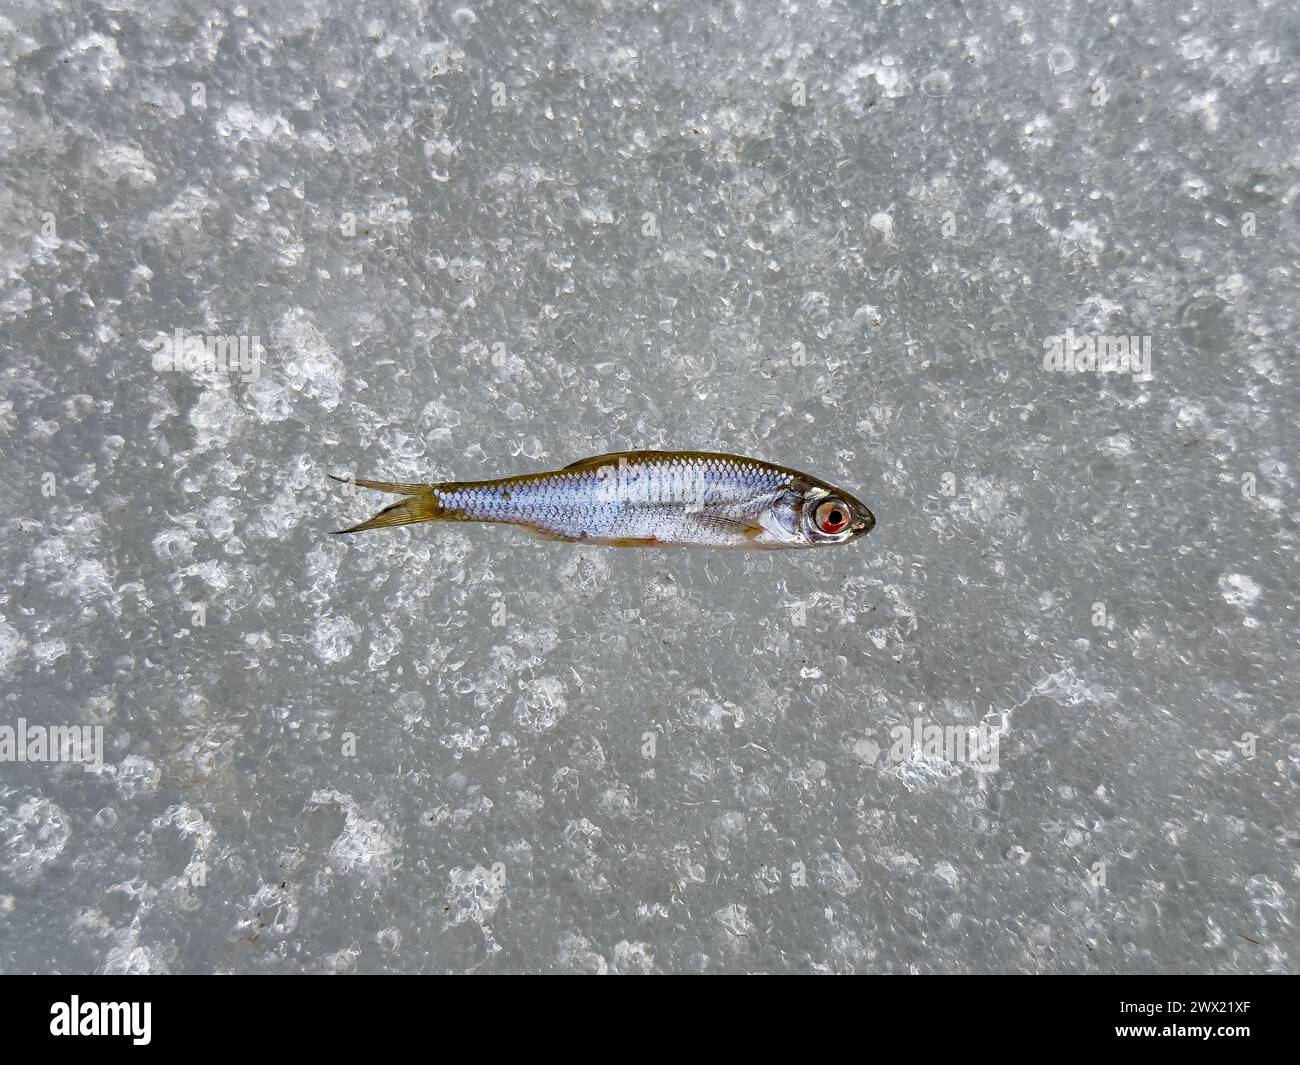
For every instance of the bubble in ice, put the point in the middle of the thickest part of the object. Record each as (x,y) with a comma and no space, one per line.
(474,894)
(216,419)
(365,845)
(1238,590)
(32,835)
(634,957)
(334,638)
(308,361)
(937,83)
(11,645)
(1060,60)
(129,957)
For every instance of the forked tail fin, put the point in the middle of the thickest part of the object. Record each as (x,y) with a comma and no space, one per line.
(421,504)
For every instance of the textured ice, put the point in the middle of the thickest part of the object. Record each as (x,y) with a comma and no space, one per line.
(466,240)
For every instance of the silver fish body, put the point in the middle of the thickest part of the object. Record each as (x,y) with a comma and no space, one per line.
(646,498)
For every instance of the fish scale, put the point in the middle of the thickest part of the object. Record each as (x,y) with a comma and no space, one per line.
(671,501)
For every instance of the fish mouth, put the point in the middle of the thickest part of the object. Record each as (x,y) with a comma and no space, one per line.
(865,523)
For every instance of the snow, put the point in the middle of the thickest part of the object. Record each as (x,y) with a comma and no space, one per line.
(465,242)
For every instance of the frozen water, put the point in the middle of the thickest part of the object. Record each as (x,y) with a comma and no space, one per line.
(1043,719)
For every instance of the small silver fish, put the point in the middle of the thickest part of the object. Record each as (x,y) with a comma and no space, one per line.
(644,499)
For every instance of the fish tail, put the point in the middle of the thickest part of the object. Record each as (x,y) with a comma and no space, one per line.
(421,504)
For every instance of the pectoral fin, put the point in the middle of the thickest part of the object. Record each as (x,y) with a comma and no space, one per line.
(731,525)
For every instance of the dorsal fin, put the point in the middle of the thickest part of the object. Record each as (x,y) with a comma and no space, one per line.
(611,458)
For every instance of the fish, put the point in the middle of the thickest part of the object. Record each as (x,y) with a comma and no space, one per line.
(642,499)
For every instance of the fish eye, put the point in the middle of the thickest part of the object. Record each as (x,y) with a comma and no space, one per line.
(832,516)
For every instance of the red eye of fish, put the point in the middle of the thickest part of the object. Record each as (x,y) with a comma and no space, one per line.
(831,517)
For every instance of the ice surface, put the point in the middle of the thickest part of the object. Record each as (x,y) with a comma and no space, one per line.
(422,241)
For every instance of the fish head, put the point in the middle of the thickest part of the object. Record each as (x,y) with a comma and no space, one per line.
(813,514)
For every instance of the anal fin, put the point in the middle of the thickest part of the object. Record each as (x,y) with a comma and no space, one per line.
(547,534)
(632,541)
